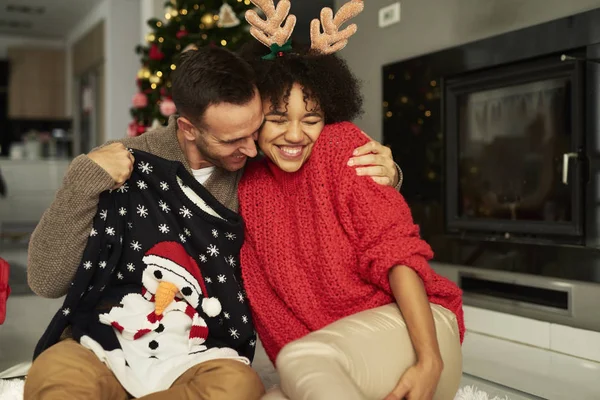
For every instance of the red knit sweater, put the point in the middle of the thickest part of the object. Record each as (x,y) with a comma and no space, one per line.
(320,242)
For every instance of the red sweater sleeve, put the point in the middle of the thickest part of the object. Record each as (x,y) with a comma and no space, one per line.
(379,222)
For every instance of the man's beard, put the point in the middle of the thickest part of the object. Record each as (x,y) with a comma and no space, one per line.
(213,158)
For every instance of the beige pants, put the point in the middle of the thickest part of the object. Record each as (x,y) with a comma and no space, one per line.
(362,357)
(68,370)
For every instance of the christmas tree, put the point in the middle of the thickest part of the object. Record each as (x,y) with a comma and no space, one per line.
(187,23)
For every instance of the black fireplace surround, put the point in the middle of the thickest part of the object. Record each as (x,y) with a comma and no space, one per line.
(499,141)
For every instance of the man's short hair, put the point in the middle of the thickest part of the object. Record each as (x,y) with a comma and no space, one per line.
(208,76)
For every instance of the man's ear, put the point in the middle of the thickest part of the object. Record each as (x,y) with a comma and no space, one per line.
(188,129)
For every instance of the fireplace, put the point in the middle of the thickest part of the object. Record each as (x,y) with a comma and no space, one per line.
(515,153)
(499,141)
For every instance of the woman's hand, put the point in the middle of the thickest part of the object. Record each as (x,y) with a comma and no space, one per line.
(419,382)
(375,160)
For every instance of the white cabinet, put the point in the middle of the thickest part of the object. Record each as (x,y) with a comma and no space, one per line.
(31,187)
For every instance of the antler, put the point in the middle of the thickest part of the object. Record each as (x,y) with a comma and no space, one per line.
(270,31)
(332,39)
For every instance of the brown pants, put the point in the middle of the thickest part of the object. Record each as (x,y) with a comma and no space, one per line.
(68,370)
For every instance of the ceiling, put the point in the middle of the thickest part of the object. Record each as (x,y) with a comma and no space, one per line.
(47,19)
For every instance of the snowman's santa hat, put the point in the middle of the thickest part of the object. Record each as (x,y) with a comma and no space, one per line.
(168,261)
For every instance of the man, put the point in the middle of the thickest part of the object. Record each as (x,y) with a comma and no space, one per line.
(213,137)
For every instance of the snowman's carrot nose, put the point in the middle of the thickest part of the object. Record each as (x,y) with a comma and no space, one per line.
(164,296)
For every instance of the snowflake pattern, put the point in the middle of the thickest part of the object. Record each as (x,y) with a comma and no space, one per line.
(142,185)
(103,214)
(252,343)
(215,233)
(135,245)
(163,206)
(130,225)
(93,233)
(90,288)
(234,333)
(120,275)
(130,267)
(163,228)
(66,311)
(124,188)
(212,250)
(230,260)
(187,232)
(102,264)
(208,280)
(226,315)
(240,297)
(221,278)
(122,211)
(203,258)
(164,186)
(244,319)
(230,236)
(110,231)
(142,211)
(145,167)
(185,212)
(182,238)
(87,265)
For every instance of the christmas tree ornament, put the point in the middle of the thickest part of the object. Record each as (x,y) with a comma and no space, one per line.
(181,33)
(227,17)
(167,107)
(139,100)
(155,53)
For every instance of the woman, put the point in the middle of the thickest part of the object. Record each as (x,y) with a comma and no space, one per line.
(337,276)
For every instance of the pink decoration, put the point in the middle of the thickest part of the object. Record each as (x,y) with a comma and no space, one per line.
(140,100)
(132,129)
(167,107)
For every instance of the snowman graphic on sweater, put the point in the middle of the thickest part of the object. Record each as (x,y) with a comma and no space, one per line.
(159,330)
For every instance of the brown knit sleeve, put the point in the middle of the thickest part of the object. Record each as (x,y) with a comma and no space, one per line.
(58,242)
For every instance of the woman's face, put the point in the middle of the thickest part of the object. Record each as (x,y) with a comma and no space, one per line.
(290,132)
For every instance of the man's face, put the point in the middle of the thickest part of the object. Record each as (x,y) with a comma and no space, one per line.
(228,132)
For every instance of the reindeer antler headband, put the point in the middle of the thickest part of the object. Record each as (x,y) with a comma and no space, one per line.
(270,32)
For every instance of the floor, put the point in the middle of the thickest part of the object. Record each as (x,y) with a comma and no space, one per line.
(487,360)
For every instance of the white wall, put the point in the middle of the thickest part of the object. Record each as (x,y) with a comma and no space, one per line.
(431,25)
(122,34)
(7,41)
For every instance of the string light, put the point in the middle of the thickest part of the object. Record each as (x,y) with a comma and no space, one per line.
(428,113)
(216,17)
(391,77)
(173,67)
(223,42)
(204,36)
(150,37)
(385,103)
(178,47)
(160,74)
(153,86)
(404,99)
(247,2)
(184,12)
(161,39)
(167,16)
(158,24)
(196,6)
(433,83)
(388,114)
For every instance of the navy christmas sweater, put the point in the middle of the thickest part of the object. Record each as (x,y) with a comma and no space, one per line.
(158,289)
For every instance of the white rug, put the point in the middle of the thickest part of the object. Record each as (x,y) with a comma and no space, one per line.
(13,390)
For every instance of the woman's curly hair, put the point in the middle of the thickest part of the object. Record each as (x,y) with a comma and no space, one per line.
(326,79)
